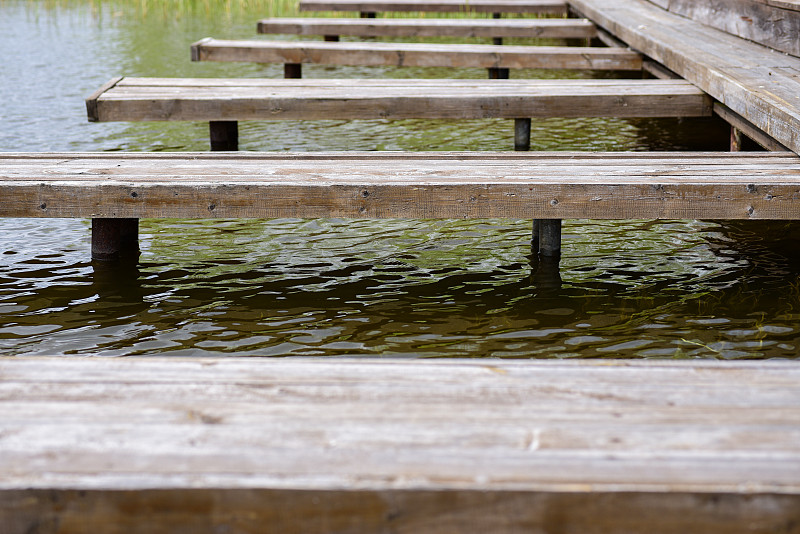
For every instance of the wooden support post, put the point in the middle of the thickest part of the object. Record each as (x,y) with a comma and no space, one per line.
(550,238)
(113,239)
(535,234)
(292,70)
(498,74)
(367,14)
(224,136)
(736,139)
(497,40)
(331,38)
(522,135)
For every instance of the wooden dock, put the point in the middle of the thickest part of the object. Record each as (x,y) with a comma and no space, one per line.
(351,445)
(164,445)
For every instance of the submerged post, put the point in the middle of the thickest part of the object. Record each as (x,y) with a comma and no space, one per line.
(522,135)
(498,73)
(550,238)
(224,136)
(114,239)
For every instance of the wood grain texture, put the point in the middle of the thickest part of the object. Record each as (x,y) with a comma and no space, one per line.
(403,185)
(431,27)
(554,7)
(417,54)
(756,20)
(318,446)
(207,99)
(761,85)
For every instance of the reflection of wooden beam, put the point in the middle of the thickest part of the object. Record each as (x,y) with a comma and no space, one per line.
(160,445)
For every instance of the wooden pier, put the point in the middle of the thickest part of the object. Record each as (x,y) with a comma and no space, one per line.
(351,445)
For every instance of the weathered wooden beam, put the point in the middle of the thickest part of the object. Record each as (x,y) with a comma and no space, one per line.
(417,54)
(520,185)
(431,27)
(742,125)
(755,82)
(161,445)
(219,99)
(553,7)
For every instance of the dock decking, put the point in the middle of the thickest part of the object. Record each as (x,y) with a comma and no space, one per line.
(754,81)
(417,55)
(160,445)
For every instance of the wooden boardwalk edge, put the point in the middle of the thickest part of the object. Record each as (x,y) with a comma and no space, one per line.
(370,445)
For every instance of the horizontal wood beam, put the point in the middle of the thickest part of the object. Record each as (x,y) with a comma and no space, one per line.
(221,99)
(431,27)
(319,446)
(417,54)
(402,185)
(553,7)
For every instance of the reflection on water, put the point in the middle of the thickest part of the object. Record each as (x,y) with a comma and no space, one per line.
(674,289)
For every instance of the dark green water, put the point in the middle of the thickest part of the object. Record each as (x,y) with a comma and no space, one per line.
(667,289)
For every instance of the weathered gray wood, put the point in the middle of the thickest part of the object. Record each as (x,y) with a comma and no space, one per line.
(159,99)
(761,85)
(430,27)
(417,55)
(521,185)
(770,25)
(313,446)
(554,7)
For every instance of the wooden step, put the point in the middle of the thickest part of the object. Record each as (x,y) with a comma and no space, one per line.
(430,27)
(417,55)
(220,99)
(553,7)
(314,446)
(402,185)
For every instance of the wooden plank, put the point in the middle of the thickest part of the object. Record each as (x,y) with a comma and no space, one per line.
(159,99)
(313,446)
(401,185)
(417,54)
(429,27)
(553,7)
(761,85)
(767,24)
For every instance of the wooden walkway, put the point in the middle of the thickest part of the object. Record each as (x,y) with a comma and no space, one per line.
(755,82)
(417,55)
(431,27)
(164,445)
